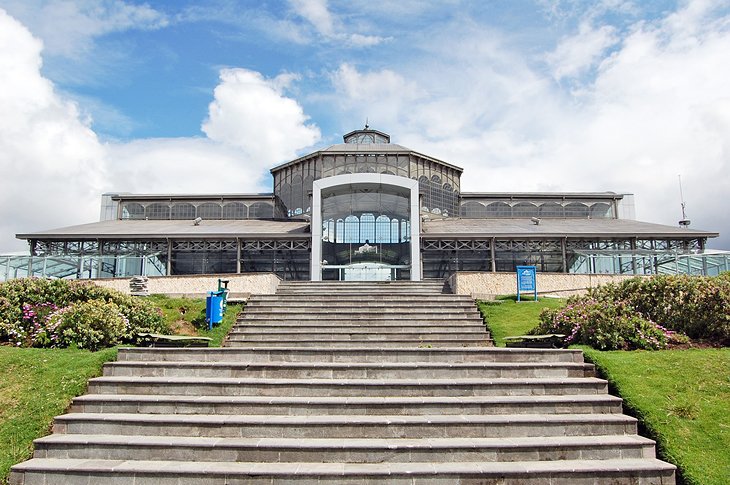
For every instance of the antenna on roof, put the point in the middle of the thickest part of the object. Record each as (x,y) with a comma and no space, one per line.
(684,222)
(367,126)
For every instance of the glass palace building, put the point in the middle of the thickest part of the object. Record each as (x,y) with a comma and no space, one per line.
(365,209)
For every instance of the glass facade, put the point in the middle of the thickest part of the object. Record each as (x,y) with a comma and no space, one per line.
(269,208)
(365,234)
(366,228)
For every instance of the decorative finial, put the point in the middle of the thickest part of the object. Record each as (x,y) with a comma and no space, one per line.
(367,126)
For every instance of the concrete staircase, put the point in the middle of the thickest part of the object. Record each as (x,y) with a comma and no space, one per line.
(347,383)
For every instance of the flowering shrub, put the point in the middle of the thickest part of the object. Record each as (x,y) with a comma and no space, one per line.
(91,325)
(603,326)
(646,313)
(57,313)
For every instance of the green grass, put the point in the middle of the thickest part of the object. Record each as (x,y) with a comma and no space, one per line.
(682,398)
(192,311)
(38,384)
(35,386)
(507,317)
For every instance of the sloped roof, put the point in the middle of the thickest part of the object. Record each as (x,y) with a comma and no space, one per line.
(207,229)
(556,228)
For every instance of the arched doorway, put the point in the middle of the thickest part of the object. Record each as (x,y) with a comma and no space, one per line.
(365,228)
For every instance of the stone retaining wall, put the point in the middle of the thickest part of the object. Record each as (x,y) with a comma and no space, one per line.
(487,285)
(240,285)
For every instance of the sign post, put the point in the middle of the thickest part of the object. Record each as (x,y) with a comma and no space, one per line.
(526,280)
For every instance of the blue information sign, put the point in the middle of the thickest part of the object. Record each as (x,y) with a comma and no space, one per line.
(526,280)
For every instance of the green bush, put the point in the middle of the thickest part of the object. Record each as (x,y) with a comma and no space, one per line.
(696,306)
(28,308)
(646,313)
(603,325)
(90,325)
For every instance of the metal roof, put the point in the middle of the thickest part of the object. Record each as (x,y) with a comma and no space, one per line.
(127,196)
(447,228)
(556,228)
(366,148)
(184,229)
(543,195)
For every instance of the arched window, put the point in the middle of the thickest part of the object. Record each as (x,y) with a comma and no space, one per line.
(285,196)
(184,211)
(367,228)
(209,211)
(352,230)
(261,210)
(576,209)
(382,229)
(405,231)
(234,211)
(600,210)
(133,211)
(340,231)
(524,209)
(473,209)
(328,230)
(550,209)
(498,209)
(424,188)
(394,230)
(157,212)
(296,195)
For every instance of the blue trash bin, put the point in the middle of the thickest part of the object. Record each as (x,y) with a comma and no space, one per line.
(213,309)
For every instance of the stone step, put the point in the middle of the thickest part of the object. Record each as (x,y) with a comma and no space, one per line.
(347,327)
(353,316)
(289,405)
(371,310)
(361,354)
(347,426)
(405,299)
(420,321)
(191,386)
(596,472)
(324,370)
(383,342)
(293,338)
(372,450)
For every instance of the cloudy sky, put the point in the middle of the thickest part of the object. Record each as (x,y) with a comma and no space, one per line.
(190,96)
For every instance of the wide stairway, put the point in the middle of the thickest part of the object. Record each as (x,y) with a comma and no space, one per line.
(347,383)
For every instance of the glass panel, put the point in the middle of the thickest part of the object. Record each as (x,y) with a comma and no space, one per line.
(157,212)
(132,210)
(210,211)
(182,212)
(367,242)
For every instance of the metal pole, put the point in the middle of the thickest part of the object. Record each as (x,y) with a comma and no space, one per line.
(238,255)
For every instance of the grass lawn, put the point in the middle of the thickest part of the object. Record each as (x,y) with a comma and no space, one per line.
(507,317)
(681,397)
(35,386)
(38,384)
(186,316)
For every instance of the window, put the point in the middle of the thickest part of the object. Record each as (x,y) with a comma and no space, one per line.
(157,211)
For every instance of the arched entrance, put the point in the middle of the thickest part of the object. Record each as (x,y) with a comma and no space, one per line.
(365,227)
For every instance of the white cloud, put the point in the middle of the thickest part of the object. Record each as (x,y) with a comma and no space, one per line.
(329,26)
(316,12)
(578,53)
(68,28)
(655,106)
(54,168)
(51,161)
(251,113)
(182,165)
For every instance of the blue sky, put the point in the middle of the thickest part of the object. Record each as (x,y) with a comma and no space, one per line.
(113,95)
